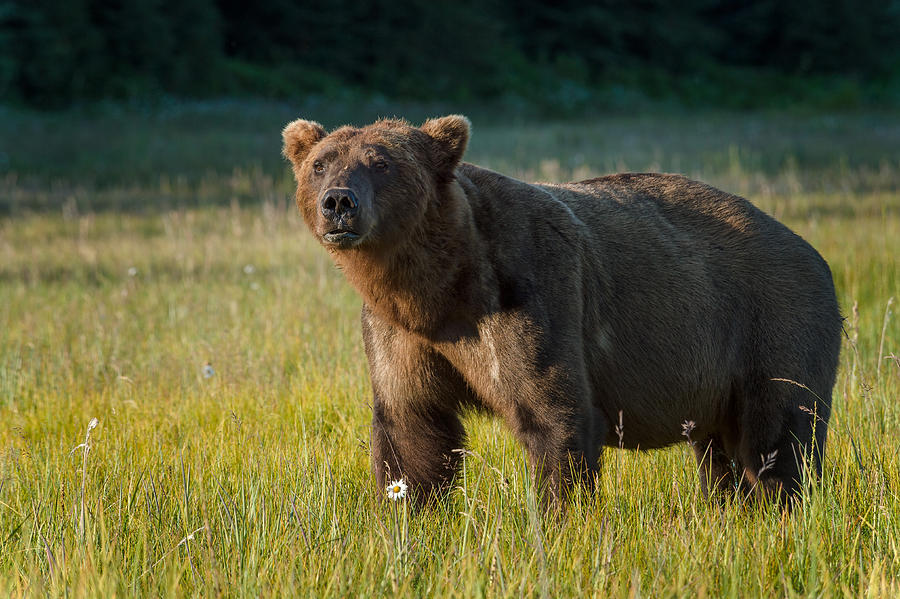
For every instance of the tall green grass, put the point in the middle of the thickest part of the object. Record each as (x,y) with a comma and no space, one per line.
(255,481)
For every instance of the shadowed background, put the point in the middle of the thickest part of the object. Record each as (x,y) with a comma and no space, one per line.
(560,56)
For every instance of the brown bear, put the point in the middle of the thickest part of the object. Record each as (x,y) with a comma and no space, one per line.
(648,301)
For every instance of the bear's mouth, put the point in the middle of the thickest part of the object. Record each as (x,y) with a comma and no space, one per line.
(341,236)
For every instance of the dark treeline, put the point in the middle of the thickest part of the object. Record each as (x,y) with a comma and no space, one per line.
(56,52)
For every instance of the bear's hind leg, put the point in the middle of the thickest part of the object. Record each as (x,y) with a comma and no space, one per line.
(779,445)
(714,468)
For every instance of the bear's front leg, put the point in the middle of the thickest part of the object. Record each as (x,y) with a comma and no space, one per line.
(562,448)
(416,444)
(416,430)
(550,410)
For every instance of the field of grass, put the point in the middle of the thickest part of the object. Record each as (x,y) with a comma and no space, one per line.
(138,247)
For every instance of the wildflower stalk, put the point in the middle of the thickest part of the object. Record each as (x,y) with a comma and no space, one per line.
(887,317)
(396,492)
(85,448)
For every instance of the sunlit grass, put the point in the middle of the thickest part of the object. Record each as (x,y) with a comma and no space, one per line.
(255,481)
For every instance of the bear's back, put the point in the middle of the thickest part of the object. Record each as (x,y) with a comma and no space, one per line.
(698,222)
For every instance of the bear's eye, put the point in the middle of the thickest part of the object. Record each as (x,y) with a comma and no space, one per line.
(380,164)
(318,167)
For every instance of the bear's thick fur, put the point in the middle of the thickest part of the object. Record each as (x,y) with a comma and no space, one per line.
(646,299)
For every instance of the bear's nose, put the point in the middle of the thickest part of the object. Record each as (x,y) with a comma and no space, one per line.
(338,202)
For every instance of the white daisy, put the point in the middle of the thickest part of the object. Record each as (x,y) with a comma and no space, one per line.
(132,271)
(396,490)
(248,269)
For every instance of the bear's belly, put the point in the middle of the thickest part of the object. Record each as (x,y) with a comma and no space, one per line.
(506,367)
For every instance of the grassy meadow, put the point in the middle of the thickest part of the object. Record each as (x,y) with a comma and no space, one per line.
(139,246)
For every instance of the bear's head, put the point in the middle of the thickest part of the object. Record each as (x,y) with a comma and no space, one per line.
(370,187)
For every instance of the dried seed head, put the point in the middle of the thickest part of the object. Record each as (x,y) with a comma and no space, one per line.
(687,427)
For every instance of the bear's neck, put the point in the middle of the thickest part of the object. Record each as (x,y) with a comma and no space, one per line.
(431,285)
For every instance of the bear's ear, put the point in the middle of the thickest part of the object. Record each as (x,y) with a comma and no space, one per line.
(299,138)
(450,135)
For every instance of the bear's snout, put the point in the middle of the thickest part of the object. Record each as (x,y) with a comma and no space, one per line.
(338,203)
(339,208)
